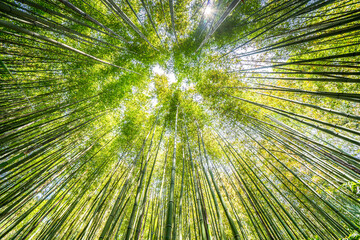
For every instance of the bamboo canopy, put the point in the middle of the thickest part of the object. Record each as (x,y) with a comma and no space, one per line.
(180,119)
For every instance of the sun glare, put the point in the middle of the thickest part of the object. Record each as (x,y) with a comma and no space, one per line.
(208,11)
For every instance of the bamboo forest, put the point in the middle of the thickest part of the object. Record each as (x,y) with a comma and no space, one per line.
(180,119)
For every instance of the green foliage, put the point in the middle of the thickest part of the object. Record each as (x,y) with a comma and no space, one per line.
(353,236)
(353,186)
(179,119)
